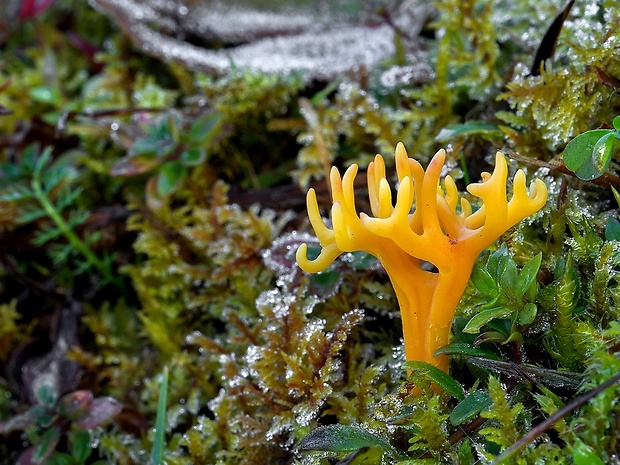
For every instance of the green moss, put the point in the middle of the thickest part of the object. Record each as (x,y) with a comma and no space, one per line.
(260,355)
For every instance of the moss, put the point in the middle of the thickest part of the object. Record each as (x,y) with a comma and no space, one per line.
(260,355)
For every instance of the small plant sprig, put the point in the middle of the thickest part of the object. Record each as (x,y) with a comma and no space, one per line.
(47,194)
(507,298)
(167,151)
(588,155)
(73,415)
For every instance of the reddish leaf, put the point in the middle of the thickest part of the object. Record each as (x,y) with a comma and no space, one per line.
(131,421)
(153,199)
(607,79)
(5,85)
(75,404)
(101,410)
(133,165)
(21,421)
(31,8)
(26,457)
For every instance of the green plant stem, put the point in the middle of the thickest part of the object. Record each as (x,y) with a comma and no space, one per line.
(160,421)
(69,234)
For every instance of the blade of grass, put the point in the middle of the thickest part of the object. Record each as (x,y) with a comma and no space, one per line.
(160,421)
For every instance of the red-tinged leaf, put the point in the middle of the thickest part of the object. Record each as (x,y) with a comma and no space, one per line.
(153,199)
(82,44)
(133,166)
(490,336)
(608,80)
(21,421)
(102,410)
(5,85)
(75,404)
(26,457)
(31,8)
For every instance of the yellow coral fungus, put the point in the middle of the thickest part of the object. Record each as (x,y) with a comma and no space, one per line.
(425,224)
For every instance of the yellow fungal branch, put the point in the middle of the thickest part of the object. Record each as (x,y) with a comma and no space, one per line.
(426,223)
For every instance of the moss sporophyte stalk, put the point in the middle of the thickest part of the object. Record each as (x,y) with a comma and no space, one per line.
(424,225)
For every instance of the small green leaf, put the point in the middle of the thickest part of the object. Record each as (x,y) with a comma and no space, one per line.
(491,336)
(437,376)
(342,438)
(616,195)
(48,443)
(471,406)
(497,262)
(528,275)
(461,348)
(467,129)
(602,152)
(47,396)
(320,96)
(483,281)
(478,321)
(170,177)
(45,95)
(515,336)
(193,156)
(509,277)
(585,455)
(612,230)
(174,128)
(153,146)
(578,154)
(326,278)
(527,314)
(58,458)
(80,445)
(204,130)
(616,123)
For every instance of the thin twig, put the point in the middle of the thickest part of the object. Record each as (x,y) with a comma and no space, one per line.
(555,417)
